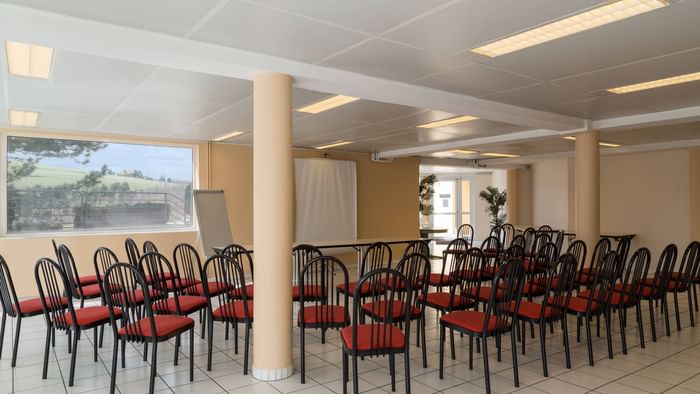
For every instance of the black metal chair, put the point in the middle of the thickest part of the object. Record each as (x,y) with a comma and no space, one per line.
(500,233)
(496,319)
(466,232)
(188,267)
(491,248)
(302,254)
(242,257)
(450,256)
(377,255)
(682,280)
(80,292)
(55,289)
(321,313)
(149,247)
(380,337)
(228,272)
(563,271)
(656,288)
(12,307)
(421,247)
(134,320)
(510,232)
(102,260)
(132,252)
(587,274)
(84,280)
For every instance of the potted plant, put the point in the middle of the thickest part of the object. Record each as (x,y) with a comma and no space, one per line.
(425,198)
(496,200)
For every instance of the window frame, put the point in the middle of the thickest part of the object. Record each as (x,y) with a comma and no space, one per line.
(5,133)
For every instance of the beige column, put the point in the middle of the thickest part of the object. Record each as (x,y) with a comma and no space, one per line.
(272,225)
(512,192)
(588,188)
(695,193)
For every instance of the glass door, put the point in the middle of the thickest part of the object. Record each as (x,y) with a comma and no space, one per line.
(452,204)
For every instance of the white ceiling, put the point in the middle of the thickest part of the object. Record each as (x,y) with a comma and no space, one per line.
(408,60)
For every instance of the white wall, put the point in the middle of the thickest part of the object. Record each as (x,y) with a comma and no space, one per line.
(482,221)
(550,193)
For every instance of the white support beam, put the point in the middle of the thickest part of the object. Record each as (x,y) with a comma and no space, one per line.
(529,135)
(675,116)
(95,38)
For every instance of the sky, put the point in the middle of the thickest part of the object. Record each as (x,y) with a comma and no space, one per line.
(152,161)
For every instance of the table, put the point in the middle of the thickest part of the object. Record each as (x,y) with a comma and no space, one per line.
(426,231)
(572,234)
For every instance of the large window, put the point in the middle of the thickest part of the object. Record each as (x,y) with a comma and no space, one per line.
(59,185)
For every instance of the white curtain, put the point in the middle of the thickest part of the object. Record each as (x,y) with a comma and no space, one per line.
(326,200)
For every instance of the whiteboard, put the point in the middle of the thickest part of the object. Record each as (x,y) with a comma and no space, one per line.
(326,200)
(212,216)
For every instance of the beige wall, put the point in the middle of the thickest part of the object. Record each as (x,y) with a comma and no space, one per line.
(525,196)
(481,218)
(695,193)
(550,193)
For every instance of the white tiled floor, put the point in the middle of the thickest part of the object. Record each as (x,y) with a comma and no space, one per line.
(671,365)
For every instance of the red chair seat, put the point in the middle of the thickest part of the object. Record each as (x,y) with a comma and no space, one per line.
(91,315)
(233,310)
(164,275)
(187,282)
(472,321)
(188,304)
(134,297)
(33,306)
(531,310)
(439,280)
(489,272)
(381,337)
(584,278)
(215,288)
(311,292)
(365,291)
(380,309)
(326,314)
(490,252)
(87,280)
(166,326)
(484,293)
(441,300)
(91,291)
(249,292)
(615,298)
(576,304)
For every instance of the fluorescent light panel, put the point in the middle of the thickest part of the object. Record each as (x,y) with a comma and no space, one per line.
(23,118)
(596,17)
(329,103)
(605,144)
(228,136)
(492,154)
(26,60)
(656,84)
(464,151)
(447,122)
(333,144)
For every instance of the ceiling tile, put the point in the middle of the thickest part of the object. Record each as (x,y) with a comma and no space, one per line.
(661,99)
(189,85)
(69,121)
(258,28)
(542,96)
(370,16)
(237,116)
(385,59)
(178,111)
(413,136)
(320,125)
(165,16)
(469,23)
(597,108)
(475,80)
(668,30)
(142,127)
(652,135)
(367,111)
(90,71)
(27,93)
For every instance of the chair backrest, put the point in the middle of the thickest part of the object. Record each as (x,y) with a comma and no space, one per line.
(451,256)
(509,229)
(689,265)
(158,268)
(8,295)
(545,258)
(188,265)
(508,281)
(416,267)
(382,333)
(578,250)
(545,228)
(513,252)
(55,293)
(132,252)
(541,239)
(529,234)
(471,270)
(242,257)
(622,250)
(499,233)
(466,231)
(417,247)
(664,271)
(603,285)
(519,240)
(601,249)
(563,271)
(491,248)
(325,273)
(149,247)
(228,272)
(101,261)
(55,249)
(126,289)
(558,239)
(635,274)
(302,254)
(377,255)
(67,264)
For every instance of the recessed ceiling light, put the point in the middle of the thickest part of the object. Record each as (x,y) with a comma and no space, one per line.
(656,83)
(508,155)
(464,152)
(230,135)
(595,17)
(326,104)
(26,60)
(23,118)
(448,153)
(606,144)
(333,144)
(447,122)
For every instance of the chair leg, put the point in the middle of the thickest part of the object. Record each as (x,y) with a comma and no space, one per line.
(303,354)
(425,352)
(578,328)
(345,372)
(589,340)
(514,352)
(640,323)
(94,345)
(623,336)
(608,331)
(123,352)
(113,378)
(690,308)
(15,348)
(664,305)
(355,379)
(498,347)
(154,363)
(191,354)
(522,342)
(678,314)
(471,352)
(567,350)
(177,349)
(210,342)
(543,350)
(695,296)
(452,344)
(407,369)
(392,371)
(204,324)
(247,347)
(235,334)
(46,352)
(71,378)
(102,334)
(2,332)
(487,376)
(442,350)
